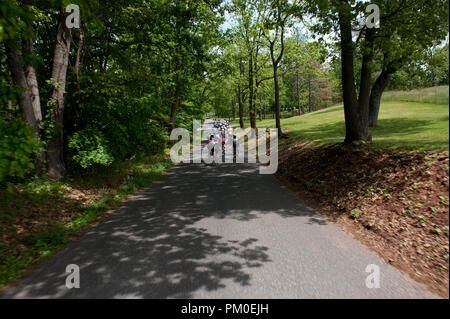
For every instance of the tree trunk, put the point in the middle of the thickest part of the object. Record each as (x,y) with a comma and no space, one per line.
(377,90)
(19,79)
(298,94)
(241,108)
(24,76)
(30,74)
(55,158)
(355,128)
(255,91)
(233,104)
(77,67)
(276,85)
(365,81)
(175,105)
(375,97)
(251,92)
(277,98)
(309,94)
(240,102)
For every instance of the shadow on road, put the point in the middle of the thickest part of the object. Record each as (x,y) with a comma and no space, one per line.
(155,247)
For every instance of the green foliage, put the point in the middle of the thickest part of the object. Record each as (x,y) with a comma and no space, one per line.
(155,54)
(17,147)
(11,28)
(307,76)
(90,148)
(431,68)
(54,237)
(48,126)
(120,130)
(354,213)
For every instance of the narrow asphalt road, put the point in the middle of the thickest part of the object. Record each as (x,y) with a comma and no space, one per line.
(216,231)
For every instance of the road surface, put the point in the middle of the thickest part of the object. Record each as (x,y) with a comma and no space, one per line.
(216,231)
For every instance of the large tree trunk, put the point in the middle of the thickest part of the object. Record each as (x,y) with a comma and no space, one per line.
(30,74)
(375,97)
(55,158)
(24,76)
(20,79)
(378,88)
(356,129)
(365,81)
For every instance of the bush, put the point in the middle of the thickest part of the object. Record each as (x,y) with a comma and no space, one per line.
(121,138)
(113,123)
(17,148)
(156,138)
(90,147)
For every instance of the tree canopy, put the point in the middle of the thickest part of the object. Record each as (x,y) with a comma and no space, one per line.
(80,98)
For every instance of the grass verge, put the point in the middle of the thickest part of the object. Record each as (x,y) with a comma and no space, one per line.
(40,217)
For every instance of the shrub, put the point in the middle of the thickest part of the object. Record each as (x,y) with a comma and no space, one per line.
(17,148)
(90,148)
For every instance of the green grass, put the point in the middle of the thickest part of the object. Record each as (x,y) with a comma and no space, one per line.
(406,125)
(39,199)
(436,95)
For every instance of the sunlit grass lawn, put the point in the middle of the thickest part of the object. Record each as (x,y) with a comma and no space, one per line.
(406,125)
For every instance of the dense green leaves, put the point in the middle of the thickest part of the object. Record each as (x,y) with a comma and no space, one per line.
(90,147)
(17,146)
(138,68)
